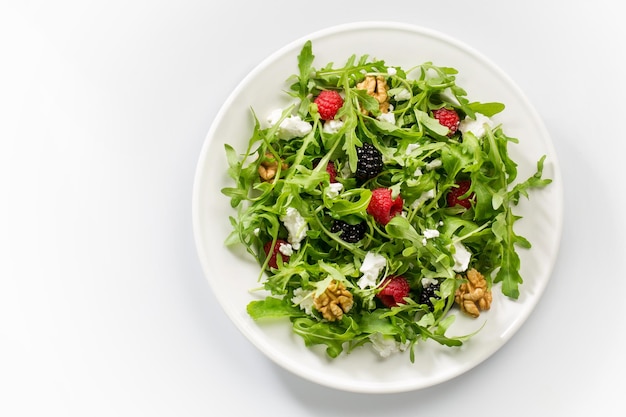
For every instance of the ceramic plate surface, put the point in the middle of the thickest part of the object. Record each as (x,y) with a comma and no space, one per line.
(232,273)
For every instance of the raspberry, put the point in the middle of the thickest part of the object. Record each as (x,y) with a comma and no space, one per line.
(370,162)
(350,233)
(394,290)
(332,171)
(427,293)
(455,193)
(276,252)
(330,168)
(328,103)
(448,118)
(382,207)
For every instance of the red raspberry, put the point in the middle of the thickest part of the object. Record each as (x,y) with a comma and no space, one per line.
(448,118)
(394,290)
(328,103)
(455,193)
(276,252)
(330,168)
(382,207)
(332,171)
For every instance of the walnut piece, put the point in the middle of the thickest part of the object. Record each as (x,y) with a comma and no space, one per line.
(376,87)
(269,167)
(334,301)
(473,296)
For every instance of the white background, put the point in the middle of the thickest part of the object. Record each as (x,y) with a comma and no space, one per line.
(104,309)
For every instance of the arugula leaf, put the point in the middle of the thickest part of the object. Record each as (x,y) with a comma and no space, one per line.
(535,181)
(502,228)
(271,307)
(333,335)
(488,109)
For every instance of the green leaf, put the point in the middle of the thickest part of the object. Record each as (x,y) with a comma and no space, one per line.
(498,199)
(332,335)
(447,341)
(535,181)
(341,206)
(366,101)
(488,109)
(431,123)
(509,274)
(373,322)
(400,228)
(305,62)
(271,307)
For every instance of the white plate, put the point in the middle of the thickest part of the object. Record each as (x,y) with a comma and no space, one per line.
(232,274)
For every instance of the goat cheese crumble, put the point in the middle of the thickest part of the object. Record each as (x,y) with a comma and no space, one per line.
(291,127)
(296,226)
(333,189)
(286,249)
(332,126)
(385,345)
(461,257)
(476,127)
(372,265)
(303,299)
(424,197)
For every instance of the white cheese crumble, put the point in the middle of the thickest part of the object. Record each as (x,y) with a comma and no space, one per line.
(291,127)
(424,197)
(428,281)
(370,268)
(332,126)
(296,226)
(431,233)
(476,127)
(392,71)
(303,299)
(402,95)
(388,117)
(333,189)
(386,345)
(412,147)
(461,257)
(286,249)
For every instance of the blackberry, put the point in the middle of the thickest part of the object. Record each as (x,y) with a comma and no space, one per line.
(350,233)
(428,292)
(370,162)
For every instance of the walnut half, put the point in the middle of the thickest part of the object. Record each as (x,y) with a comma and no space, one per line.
(376,87)
(269,167)
(334,301)
(473,296)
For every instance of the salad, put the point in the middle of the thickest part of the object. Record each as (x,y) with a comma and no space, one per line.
(379,206)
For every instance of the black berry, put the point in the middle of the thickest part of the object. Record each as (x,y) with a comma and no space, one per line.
(370,162)
(350,233)
(428,292)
